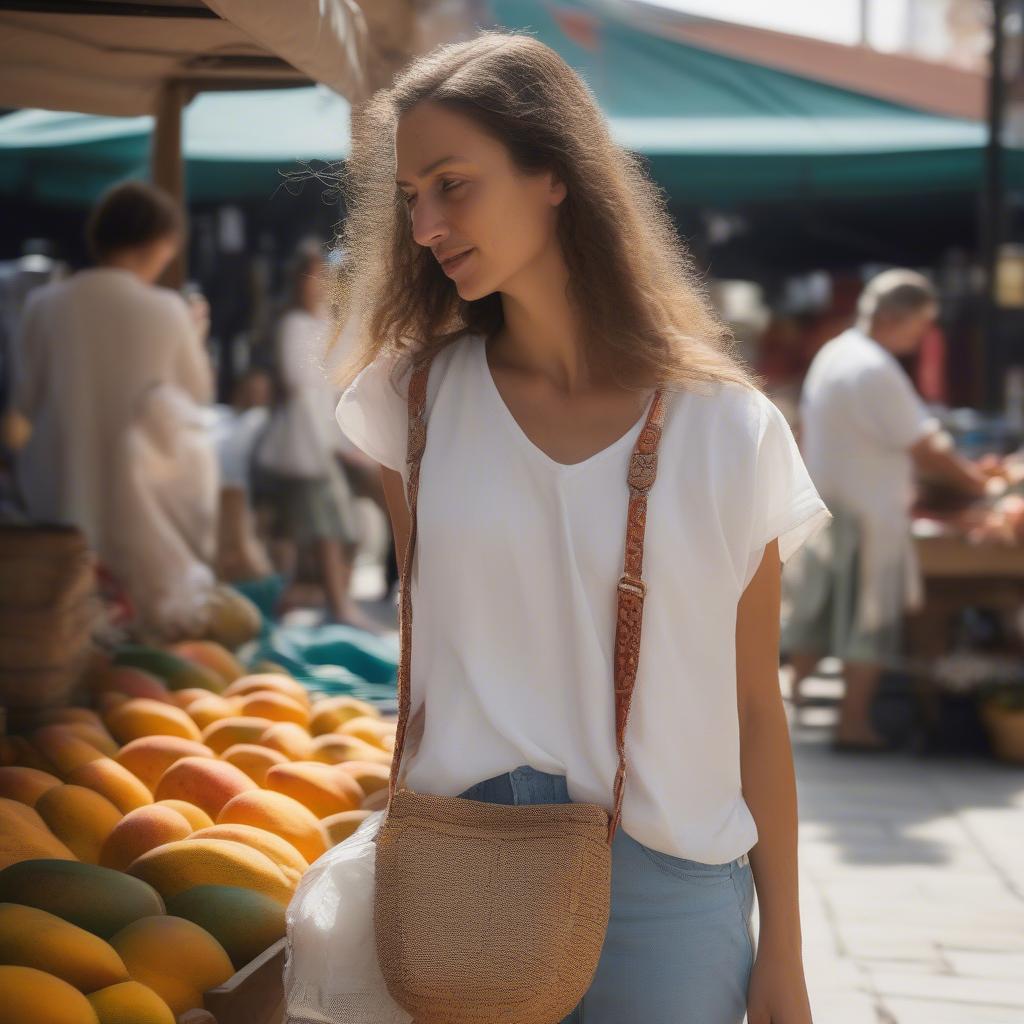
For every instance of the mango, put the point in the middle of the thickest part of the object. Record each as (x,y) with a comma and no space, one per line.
(325,789)
(195,816)
(18,752)
(253,759)
(370,775)
(143,717)
(269,681)
(174,867)
(331,712)
(244,922)
(336,748)
(26,785)
(212,708)
(278,707)
(114,782)
(96,735)
(30,937)
(130,1003)
(177,673)
(340,826)
(148,757)
(373,730)
(28,996)
(175,958)
(132,682)
(24,835)
(183,698)
(63,749)
(203,781)
(292,864)
(62,716)
(139,831)
(80,818)
(226,732)
(95,898)
(280,814)
(213,656)
(290,739)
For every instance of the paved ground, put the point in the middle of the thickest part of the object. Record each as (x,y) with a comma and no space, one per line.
(911,875)
(912,882)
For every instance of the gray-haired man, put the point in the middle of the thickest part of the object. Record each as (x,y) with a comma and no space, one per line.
(864,429)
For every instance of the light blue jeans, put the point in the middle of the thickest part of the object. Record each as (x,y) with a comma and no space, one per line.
(679,945)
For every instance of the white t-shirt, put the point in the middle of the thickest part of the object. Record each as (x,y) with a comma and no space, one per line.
(514,595)
(859,416)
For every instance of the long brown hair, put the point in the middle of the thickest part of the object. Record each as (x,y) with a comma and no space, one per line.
(645,311)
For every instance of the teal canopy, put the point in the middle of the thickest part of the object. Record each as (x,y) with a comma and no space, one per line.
(716,130)
(236,145)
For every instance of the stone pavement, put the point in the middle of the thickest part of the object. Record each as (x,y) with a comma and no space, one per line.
(911,881)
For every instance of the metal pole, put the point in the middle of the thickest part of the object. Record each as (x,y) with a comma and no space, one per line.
(863,20)
(992,209)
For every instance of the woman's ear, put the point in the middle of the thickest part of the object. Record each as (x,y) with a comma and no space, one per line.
(557,190)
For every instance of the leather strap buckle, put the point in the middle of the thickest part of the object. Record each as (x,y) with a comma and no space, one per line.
(634,586)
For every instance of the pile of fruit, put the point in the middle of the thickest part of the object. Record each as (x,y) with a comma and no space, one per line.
(150,845)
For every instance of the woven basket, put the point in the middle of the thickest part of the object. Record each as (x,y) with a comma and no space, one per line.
(446,958)
(48,610)
(1006,731)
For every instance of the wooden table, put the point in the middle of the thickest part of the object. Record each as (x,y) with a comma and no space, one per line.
(958,575)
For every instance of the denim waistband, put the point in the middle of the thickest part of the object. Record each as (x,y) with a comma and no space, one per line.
(528,785)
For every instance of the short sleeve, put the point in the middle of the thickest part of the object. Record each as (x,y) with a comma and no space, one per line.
(895,414)
(786,505)
(373,411)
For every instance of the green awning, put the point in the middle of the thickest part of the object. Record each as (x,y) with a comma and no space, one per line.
(236,145)
(716,130)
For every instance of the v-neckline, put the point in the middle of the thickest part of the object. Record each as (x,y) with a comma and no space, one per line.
(505,414)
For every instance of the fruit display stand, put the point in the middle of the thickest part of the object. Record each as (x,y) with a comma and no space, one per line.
(254,995)
(159,834)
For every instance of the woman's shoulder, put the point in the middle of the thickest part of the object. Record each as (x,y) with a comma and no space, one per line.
(730,410)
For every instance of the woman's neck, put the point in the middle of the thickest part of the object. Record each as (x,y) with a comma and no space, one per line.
(542,334)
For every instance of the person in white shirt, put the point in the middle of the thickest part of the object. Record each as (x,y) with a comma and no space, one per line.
(495,227)
(88,351)
(864,429)
(296,460)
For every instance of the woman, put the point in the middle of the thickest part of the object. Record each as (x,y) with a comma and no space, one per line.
(296,460)
(88,350)
(493,222)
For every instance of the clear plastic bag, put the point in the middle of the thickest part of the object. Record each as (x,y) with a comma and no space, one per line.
(331,974)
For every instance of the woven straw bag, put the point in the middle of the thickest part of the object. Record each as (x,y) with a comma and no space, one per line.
(487,913)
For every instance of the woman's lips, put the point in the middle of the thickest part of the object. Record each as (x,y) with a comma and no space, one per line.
(452,265)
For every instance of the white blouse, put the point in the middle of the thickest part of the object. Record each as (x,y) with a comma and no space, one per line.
(514,594)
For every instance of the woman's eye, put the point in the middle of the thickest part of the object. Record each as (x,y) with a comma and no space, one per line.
(450,186)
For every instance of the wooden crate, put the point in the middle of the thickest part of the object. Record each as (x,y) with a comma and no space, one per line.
(252,995)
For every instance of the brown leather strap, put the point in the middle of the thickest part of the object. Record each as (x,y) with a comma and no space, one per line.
(643,469)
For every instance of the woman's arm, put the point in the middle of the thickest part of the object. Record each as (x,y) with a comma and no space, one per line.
(777,991)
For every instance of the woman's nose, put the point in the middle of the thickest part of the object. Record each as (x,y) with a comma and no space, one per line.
(428,226)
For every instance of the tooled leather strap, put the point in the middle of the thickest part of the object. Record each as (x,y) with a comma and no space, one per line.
(643,469)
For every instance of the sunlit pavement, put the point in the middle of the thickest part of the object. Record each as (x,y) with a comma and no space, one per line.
(911,881)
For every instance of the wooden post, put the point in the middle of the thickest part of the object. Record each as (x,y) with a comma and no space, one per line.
(167,165)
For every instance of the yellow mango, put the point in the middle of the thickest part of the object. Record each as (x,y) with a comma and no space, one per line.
(141,716)
(80,818)
(114,782)
(29,996)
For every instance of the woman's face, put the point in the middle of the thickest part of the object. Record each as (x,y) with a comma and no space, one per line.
(466,196)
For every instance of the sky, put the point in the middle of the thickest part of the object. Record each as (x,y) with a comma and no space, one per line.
(837,20)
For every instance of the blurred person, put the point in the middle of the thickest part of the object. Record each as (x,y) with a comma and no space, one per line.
(88,351)
(521,269)
(864,429)
(295,461)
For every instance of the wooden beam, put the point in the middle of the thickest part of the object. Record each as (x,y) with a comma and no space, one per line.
(167,166)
